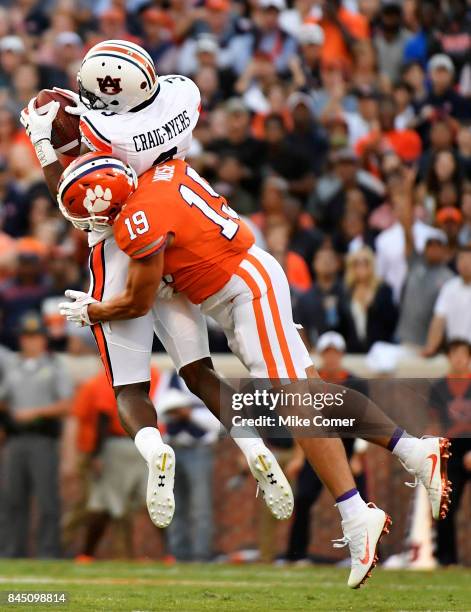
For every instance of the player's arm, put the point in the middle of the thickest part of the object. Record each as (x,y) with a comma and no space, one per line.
(435,336)
(39,129)
(142,285)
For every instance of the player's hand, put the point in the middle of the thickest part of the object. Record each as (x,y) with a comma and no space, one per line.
(38,127)
(165,291)
(77,107)
(76,311)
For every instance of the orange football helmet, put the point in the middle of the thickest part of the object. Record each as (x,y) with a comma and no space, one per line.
(93,189)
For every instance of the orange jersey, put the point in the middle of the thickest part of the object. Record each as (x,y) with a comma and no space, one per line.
(209,240)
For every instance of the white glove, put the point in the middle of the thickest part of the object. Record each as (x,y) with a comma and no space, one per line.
(165,291)
(77,310)
(38,127)
(78,107)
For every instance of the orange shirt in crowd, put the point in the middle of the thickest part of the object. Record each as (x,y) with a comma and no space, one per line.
(258,123)
(334,48)
(405,143)
(96,397)
(297,271)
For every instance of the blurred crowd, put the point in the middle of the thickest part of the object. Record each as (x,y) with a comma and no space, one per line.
(341,131)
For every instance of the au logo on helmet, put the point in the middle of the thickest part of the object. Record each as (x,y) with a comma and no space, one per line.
(109,85)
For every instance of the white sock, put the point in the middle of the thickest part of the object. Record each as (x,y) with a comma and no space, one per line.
(351,506)
(147,440)
(247,439)
(404,447)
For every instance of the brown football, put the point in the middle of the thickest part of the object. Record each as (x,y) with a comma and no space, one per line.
(65,129)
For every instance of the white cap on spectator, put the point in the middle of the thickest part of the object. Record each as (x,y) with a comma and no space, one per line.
(12,43)
(331,339)
(173,398)
(440,60)
(235,105)
(436,235)
(298,97)
(68,38)
(280,5)
(311,34)
(207,43)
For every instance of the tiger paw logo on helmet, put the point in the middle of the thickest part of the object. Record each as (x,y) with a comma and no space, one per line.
(97,199)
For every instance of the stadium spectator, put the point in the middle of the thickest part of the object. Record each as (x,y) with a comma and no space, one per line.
(35,394)
(13,206)
(12,55)
(277,236)
(240,142)
(20,294)
(306,67)
(450,402)
(426,276)
(452,315)
(265,39)
(327,203)
(325,306)
(284,160)
(449,219)
(370,301)
(442,99)
(109,466)
(230,174)
(342,28)
(465,231)
(405,233)
(191,430)
(307,136)
(157,39)
(426,39)
(405,143)
(390,40)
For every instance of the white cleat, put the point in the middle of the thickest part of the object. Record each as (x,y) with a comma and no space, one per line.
(160,499)
(362,534)
(272,482)
(428,463)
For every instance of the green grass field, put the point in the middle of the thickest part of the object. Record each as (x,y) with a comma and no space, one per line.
(143,587)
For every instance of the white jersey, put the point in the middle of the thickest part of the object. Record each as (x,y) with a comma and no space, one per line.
(155,132)
(158,130)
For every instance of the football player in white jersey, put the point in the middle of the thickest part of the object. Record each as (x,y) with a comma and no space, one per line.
(142,119)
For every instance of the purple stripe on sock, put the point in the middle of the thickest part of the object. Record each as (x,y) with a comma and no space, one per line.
(397,435)
(346,495)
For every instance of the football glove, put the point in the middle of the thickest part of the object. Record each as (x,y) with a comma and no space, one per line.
(78,107)
(165,291)
(76,311)
(38,127)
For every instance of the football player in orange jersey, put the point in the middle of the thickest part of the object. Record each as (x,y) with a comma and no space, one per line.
(176,227)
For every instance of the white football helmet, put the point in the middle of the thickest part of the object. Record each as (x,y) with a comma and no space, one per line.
(116,75)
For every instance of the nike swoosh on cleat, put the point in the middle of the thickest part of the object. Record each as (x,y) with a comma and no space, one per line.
(433,457)
(366,558)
